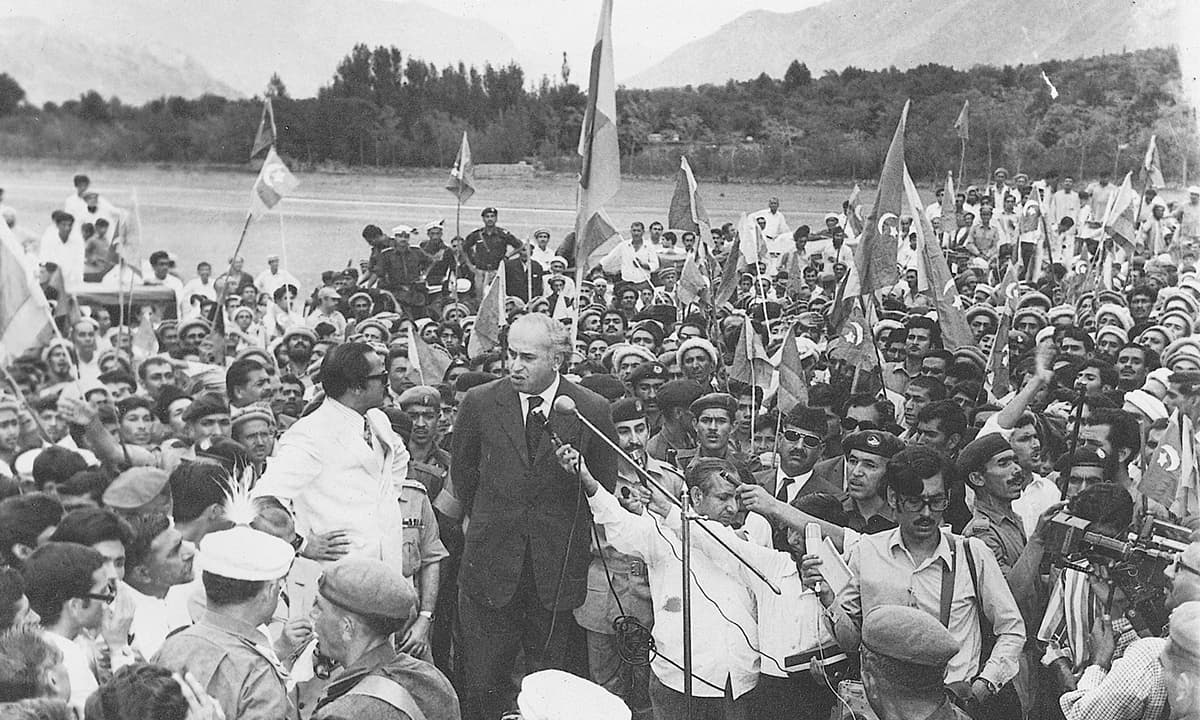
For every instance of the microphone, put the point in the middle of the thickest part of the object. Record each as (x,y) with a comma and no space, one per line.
(564,405)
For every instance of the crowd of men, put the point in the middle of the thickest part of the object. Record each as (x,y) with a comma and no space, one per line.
(258,500)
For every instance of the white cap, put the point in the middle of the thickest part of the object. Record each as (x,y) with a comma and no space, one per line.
(557,695)
(1143,402)
(402,230)
(1194,190)
(435,224)
(243,553)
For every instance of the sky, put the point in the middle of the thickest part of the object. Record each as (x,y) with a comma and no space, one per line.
(644,31)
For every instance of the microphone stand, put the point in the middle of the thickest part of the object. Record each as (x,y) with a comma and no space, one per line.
(566,406)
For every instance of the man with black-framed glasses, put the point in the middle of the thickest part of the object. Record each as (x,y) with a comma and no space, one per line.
(69,585)
(920,565)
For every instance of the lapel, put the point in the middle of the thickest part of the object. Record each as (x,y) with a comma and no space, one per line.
(512,419)
(566,427)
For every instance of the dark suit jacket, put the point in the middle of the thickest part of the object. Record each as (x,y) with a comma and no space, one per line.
(514,502)
(516,283)
(815,484)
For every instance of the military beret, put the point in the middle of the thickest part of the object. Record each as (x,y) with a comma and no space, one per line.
(243,553)
(908,635)
(678,394)
(368,587)
(423,395)
(489,211)
(975,455)
(604,385)
(400,421)
(135,488)
(627,409)
(876,442)
(722,401)
(1082,457)
(209,403)
(649,371)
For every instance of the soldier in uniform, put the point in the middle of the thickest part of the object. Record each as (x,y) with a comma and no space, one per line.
(244,571)
(904,654)
(429,469)
(487,246)
(360,603)
(675,443)
(645,381)
(629,592)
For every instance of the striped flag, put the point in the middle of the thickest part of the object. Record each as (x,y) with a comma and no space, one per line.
(962,124)
(876,254)
(486,333)
(751,362)
(600,175)
(265,137)
(25,322)
(427,363)
(686,211)
(274,183)
(462,175)
(934,278)
(793,386)
(1151,166)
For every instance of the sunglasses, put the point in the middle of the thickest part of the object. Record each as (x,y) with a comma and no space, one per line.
(106,598)
(850,424)
(810,441)
(377,376)
(937,503)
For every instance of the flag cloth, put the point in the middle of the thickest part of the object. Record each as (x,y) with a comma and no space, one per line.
(1187,497)
(1050,86)
(686,211)
(600,174)
(694,282)
(728,282)
(854,343)
(462,175)
(1122,213)
(1172,461)
(934,277)
(1031,236)
(265,137)
(1152,175)
(949,222)
(274,183)
(876,254)
(750,243)
(486,333)
(25,322)
(963,124)
(216,336)
(854,212)
(793,386)
(427,364)
(998,378)
(145,342)
(751,362)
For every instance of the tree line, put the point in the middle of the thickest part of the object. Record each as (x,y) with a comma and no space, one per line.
(384,109)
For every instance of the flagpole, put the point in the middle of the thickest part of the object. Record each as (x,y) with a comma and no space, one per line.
(229,273)
(962,161)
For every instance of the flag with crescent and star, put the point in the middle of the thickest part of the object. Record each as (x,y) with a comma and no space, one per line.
(1173,461)
(876,255)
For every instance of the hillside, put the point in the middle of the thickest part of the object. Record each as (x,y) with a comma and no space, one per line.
(876,34)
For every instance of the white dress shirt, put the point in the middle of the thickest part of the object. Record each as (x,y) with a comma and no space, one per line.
(547,396)
(634,264)
(794,488)
(1037,496)
(79,670)
(719,651)
(777,224)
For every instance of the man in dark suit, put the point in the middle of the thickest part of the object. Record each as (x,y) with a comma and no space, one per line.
(522,275)
(801,444)
(525,563)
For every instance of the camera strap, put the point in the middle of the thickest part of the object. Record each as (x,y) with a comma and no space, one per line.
(949,575)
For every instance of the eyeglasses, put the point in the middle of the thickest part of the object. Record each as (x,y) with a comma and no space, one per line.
(810,441)
(1181,565)
(106,598)
(937,503)
(383,376)
(850,425)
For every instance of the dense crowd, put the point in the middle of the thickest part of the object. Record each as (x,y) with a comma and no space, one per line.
(461,478)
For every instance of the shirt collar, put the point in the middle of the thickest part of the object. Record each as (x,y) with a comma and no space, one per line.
(895,541)
(234,626)
(546,395)
(993,510)
(800,479)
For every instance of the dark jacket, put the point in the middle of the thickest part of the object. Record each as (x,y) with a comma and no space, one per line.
(518,506)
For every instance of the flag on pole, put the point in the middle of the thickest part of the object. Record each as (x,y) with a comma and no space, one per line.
(1151,166)
(600,175)
(131,249)
(854,343)
(1122,213)
(728,281)
(462,175)
(751,361)
(486,333)
(265,137)
(694,282)
(25,321)
(1050,86)
(686,211)
(934,278)
(427,363)
(876,254)
(963,124)
(854,212)
(998,377)
(793,387)
(274,183)
(751,245)
(1169,465)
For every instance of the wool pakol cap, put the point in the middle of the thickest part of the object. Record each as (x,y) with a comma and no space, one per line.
(368,586)
(243,553)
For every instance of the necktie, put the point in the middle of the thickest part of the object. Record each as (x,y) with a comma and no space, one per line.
(368,436)
(534,422)
(782,494)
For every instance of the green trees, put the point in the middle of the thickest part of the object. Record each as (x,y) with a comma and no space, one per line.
(11,95)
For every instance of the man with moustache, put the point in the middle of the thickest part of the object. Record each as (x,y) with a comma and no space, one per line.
(909,566)
(801,445)
(1134,363)
(629,592)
